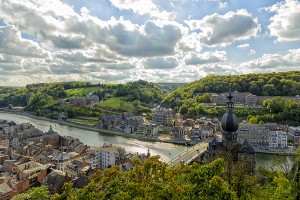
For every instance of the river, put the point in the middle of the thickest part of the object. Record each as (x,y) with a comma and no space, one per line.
(166,151)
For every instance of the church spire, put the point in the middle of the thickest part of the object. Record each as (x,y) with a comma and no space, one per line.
(230,102)
(229,120)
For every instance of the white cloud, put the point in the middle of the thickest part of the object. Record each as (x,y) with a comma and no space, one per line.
(275,62)
(285,24)
(220,69)
(242,46)
(80,56)
(221,4)
(204,58)
(142,7)
(60,41)
(224,29)
(150,39)
(11,43)
(69,30)
(252,52)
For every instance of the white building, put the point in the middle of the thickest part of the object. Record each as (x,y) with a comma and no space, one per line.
(278,139)
(103,157)
(109,156)
(148,130)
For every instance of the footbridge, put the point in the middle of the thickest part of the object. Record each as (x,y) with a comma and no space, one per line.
(190,154)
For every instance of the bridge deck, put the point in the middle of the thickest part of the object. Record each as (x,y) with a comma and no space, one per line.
(187,156)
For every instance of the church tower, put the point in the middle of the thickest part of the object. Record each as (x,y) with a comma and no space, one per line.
(229,126)
(230,122)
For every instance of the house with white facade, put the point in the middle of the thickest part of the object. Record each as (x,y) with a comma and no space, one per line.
(278,139)
(148,129)
(109,156)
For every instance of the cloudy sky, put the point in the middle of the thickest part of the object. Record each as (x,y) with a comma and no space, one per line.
(154,40)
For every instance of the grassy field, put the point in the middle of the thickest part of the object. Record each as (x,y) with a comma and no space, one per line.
(90,121)
(80,92)
(117,103)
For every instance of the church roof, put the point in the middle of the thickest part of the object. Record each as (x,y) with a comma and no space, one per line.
(246,147)
(229,120)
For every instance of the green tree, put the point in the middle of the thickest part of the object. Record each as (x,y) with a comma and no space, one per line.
(280,188)
(36,193)
(276,105)
(136,103)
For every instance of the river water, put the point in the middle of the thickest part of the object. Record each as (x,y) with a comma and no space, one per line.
(167,151)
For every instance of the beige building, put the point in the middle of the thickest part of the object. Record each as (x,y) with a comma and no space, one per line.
(163,116)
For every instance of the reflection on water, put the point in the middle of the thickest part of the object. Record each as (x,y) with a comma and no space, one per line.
(270,160)
(92,138)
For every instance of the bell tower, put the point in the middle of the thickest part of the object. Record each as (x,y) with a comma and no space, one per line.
(230,122)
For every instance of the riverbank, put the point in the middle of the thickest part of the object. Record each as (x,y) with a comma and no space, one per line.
(280,152)
(103,131)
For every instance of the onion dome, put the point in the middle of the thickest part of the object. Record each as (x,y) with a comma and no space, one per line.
(229,120)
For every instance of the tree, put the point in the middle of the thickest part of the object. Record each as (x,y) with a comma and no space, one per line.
(253,120)
(276,105)
(136,103)
(36,193)
(183,109)
(280,188)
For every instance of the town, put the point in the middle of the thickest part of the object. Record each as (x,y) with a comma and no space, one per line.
(30,157)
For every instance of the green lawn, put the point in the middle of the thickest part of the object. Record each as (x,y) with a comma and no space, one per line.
(117,103)
(80,92)
(90,121)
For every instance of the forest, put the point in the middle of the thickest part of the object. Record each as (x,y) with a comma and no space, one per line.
(272,84)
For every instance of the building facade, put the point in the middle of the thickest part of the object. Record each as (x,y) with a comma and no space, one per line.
(278,139)
(163,116)
(256,134)
(295,135)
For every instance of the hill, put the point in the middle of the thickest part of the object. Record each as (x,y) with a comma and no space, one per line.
(140,90)
(272,84)
(46,97)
